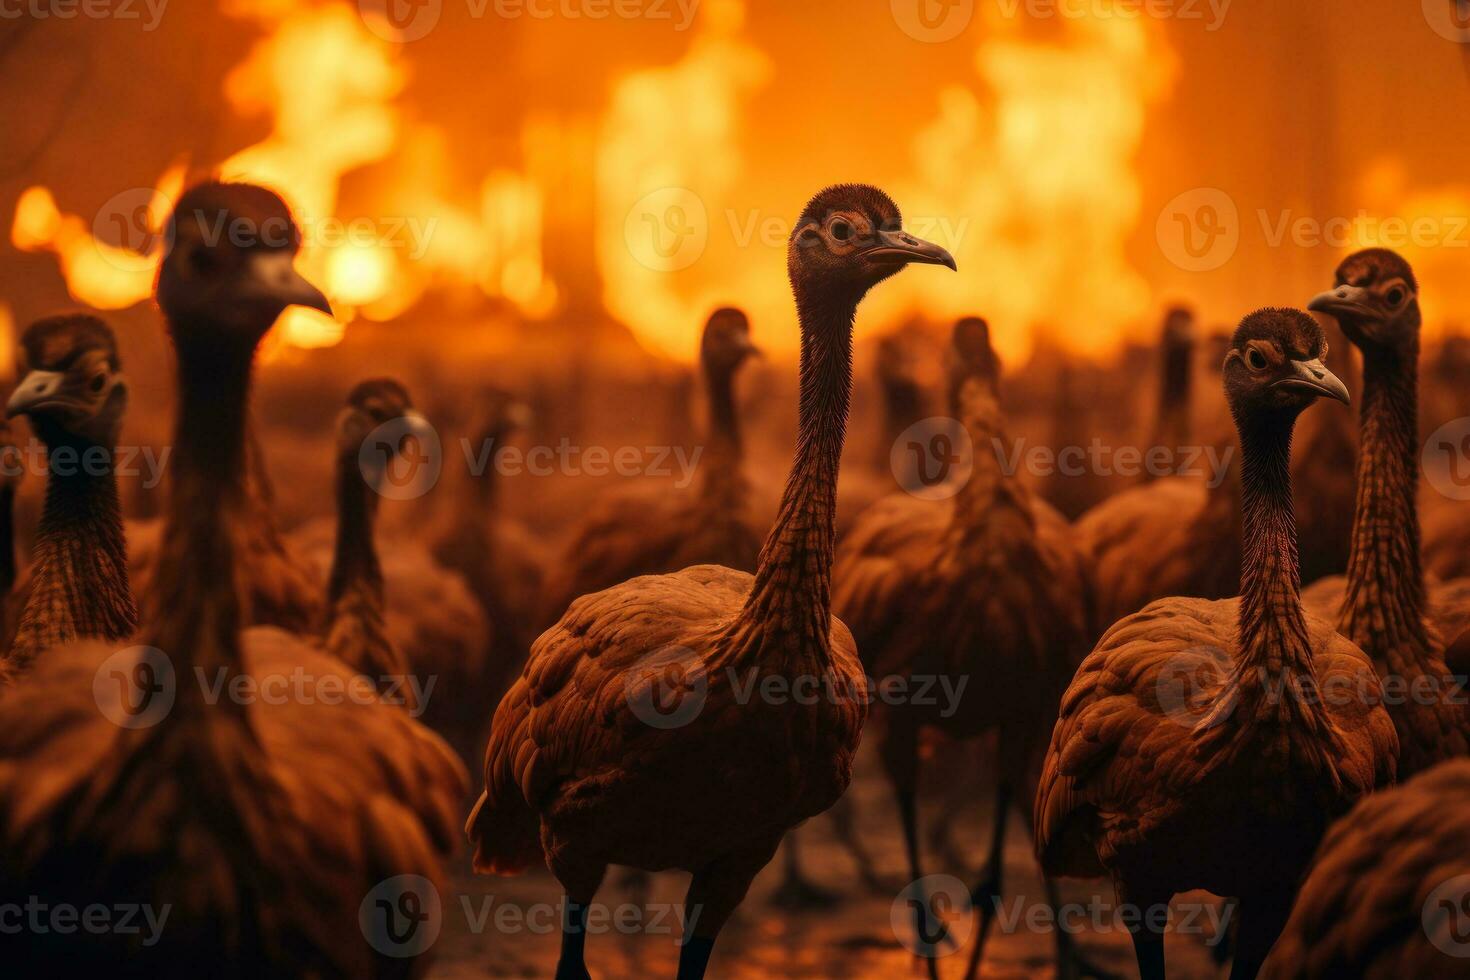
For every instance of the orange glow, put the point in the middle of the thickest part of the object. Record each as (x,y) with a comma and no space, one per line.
(98,273)
(666,166)
(1430,227)
(1027,176)
(7,343)
(37,221)
(1030,182)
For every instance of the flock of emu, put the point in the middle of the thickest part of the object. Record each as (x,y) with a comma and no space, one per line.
(1171,708)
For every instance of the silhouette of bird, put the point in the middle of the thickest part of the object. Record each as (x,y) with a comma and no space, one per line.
(1194,748)
(648,530)
(579,772)
(357,631)
(986,583)
(1173,424)
(1173,536)
(263,826)
(500,560)
(1381,604)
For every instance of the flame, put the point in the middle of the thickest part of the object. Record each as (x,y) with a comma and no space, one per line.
(7,343)
(328,86)
(98,273)
(1026,175)
(1024,170)
(668,156)
(1033,188)
(1429,227)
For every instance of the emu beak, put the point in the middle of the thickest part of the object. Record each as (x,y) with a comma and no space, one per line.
(272,275)
(901,248)
(37,390)
(1344,301)
(1313,376)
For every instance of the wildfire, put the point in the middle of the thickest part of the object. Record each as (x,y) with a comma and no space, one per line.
(669,154)
(1031,183)
(99,273)
(1428,227)
(1027,176)
(330,88)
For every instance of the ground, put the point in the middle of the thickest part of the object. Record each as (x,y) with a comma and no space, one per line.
(508,927)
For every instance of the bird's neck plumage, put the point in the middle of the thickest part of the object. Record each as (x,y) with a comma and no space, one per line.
(355,561)
(1273,627)
(1175,393)
(989,486)
(201,609)
(791,599)
(1383,609)
(357,632)
(722,479)
(79,584)
(1271,699)
(1272,687)
(903,405)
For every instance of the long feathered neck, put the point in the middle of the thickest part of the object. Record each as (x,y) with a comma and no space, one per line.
(199,599)
(792,595)
(357,632)
(722,479)
(1273,628)
(1271,699)
(79,586)
(1175,391)
(975,403)
(355,560)
(903,405)
(1383,609)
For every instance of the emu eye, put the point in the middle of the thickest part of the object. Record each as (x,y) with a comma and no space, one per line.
(1395,296)
(1255,359)
(841,230)
(98,382)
